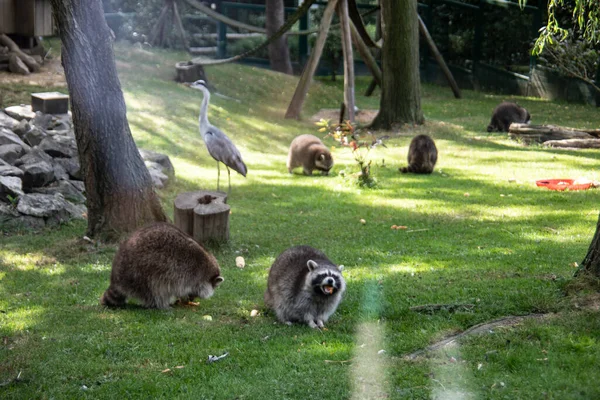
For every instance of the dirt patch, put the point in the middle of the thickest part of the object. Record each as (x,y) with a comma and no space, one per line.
(363,117)
(50,75)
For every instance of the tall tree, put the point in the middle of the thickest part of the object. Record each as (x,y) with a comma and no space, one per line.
(279,53)
(400,101)
(120,196)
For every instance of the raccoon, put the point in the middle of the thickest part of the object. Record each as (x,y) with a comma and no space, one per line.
(158,264)
(309,152)
(422,155)
(304,286)
(505,114)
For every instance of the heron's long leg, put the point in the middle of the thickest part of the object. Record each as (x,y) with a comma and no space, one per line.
(218,175)
(229,178)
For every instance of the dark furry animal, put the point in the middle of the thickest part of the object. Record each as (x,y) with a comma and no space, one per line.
(505,114)
(422,155)
(304,286)
(158,264)
(309,152)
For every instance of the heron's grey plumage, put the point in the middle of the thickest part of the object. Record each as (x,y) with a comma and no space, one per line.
(219,146)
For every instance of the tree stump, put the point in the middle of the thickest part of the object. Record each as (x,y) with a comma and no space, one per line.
(203,214)
(189,72)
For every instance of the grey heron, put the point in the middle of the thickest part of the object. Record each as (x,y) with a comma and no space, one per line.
(219,146)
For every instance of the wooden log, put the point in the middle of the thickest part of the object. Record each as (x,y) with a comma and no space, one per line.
(184,206)
(543,133)
(32,65)
(295,106)
(366,55)
(574,143)
(211,220)
(16,65)
(187,71)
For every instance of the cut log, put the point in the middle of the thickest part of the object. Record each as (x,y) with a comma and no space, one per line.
(211,220)
(574,143)
(185,203)
(16,65)
(189,72)
(32,65)
(543,133)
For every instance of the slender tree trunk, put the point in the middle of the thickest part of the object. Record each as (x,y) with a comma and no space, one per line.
(120,196)
(591,262)
(401,89)
(279,53)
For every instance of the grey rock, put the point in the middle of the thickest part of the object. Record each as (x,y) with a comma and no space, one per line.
(162,159)
(7,121)
(71,165)
(20,112)
(37,174)
(42,205)
(59,172)
(159,180)
(53,148)
(22,128)
(66,188)
(42,121)
(34,156)
(10,186)
(9,137)
(9,170)
(7,212)
(34,136)
(79,185)
(11,152)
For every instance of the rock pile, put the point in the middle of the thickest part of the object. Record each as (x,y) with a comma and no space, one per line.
(40,178)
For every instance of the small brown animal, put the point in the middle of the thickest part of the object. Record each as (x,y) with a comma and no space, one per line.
(422,155)
(505,114)
(304,286)
(309,152)
(158,264)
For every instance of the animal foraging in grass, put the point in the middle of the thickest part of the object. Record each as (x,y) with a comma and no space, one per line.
(309,152)
(158,264)
(505,114)
(422,155)
(304,286)
(219,146)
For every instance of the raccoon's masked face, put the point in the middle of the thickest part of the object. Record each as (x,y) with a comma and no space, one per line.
(325,281)
(324,162)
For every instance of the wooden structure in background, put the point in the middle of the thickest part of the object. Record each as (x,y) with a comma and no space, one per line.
(28,18)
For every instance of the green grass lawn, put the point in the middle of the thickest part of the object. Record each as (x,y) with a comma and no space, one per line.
(478,231)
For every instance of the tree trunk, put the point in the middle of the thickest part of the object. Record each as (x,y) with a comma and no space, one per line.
(279,53)
(401,90)
(120,196)
(591,262)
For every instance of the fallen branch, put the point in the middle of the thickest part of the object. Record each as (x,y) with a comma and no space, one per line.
(431,308)
(543,133)
(474,330)
(12,46)
(574,143)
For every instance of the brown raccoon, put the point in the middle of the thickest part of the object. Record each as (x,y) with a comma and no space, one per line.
(505,114)
(422,155)
(158,264)
(304,286)
(309,152)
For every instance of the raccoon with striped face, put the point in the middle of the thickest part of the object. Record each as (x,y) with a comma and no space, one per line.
(159,264)
(304,286)
(422,155)
(309,152)
(505,114)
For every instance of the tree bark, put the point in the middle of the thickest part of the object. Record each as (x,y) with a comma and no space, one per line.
(279,53)
(342,9)
(400,101)
(591,262)
(120,196)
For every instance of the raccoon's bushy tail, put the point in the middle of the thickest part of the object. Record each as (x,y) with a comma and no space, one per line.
(113,298)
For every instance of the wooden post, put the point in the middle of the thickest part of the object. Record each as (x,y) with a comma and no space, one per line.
(185,206)
(211,220)
(186,44)
(366,55)
(342,9)
(295,106)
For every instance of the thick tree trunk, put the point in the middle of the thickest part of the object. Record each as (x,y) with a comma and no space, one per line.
(591,262)
(401,90)
(279,53)
(120,196)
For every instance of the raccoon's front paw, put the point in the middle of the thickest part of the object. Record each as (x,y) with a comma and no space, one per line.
(320,324)
(312,324)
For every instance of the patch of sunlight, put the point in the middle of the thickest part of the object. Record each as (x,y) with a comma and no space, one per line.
(30,261)
(394,269)
(369,363)
(22,318)
(450,375)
